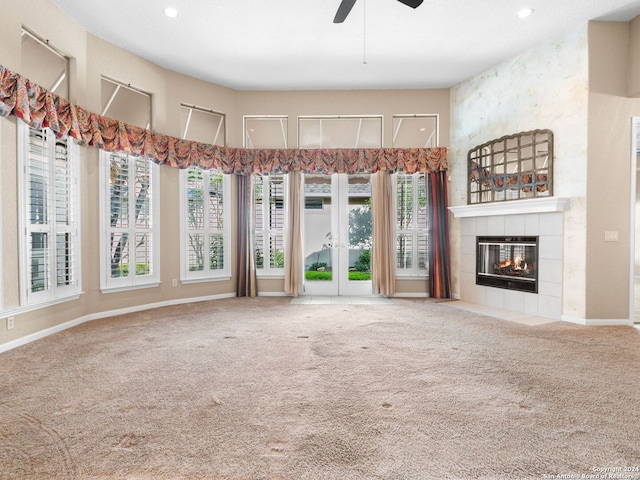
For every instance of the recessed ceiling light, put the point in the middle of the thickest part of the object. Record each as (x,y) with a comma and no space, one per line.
(171,12)
(524,13)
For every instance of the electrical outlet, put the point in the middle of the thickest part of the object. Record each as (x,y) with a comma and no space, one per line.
(11,322)
(174,282)
(610,236)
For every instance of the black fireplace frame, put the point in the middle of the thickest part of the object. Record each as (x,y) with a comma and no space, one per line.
(529,284)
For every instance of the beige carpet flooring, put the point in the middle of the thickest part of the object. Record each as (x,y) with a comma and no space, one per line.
(263,389)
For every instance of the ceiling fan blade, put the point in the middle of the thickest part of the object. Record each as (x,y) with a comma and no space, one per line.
(343,10)
(411,3)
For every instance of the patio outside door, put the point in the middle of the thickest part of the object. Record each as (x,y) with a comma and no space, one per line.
(338,234)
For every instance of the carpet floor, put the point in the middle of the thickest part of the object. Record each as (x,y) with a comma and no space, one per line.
(247,389)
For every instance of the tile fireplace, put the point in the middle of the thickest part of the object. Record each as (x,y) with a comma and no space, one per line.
(541,219)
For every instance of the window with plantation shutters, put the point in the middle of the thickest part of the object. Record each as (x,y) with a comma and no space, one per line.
(269,222)
(50,247)
(411,225)
(205,217)
(204,204)
(129,212)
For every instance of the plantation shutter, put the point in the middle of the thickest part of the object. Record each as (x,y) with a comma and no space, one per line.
(131,225)
(205,220)
(51,217)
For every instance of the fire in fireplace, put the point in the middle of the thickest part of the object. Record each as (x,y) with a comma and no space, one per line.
(507,262)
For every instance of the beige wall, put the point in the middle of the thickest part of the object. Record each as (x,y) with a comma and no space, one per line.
(93,58)
(609,169)
(634,58)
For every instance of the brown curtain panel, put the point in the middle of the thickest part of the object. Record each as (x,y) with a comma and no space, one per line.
(384,262)
(293,255)
(245,260)
(439,256)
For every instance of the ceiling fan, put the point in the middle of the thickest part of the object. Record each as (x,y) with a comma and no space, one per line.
(346,6)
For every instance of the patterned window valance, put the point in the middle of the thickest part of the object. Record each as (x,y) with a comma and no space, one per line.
(41,108)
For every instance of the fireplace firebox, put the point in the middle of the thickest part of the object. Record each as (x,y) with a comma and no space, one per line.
(507,262)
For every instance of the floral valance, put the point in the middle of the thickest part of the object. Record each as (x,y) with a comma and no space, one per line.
(41,108)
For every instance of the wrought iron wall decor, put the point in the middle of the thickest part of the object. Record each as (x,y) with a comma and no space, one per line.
(512,167)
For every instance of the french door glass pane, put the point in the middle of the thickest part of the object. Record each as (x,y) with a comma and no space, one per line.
(318,228)
(360,226)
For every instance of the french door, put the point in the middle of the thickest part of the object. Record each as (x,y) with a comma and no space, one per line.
(338,226)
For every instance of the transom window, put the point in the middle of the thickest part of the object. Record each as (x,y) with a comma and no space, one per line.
(202,125)
(343,131)
(125,102)
(44,64)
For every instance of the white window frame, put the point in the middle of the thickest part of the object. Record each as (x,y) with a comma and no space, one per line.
(52,292)
(207,273)
(133,281)
(415,231)
(267,232)
(267,271)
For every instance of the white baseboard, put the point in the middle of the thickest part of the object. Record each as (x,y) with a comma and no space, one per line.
(410,295)
(273,294)
(597,322)
(96,316)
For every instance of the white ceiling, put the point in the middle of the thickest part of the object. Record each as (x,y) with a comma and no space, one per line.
(294,44)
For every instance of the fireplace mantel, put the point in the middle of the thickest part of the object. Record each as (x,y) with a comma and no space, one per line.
(513,207)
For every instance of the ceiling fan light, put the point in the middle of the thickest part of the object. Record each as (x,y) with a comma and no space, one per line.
(524,13)
(171,12)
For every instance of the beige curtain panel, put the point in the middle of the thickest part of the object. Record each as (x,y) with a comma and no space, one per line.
(293,255)
(384,265)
